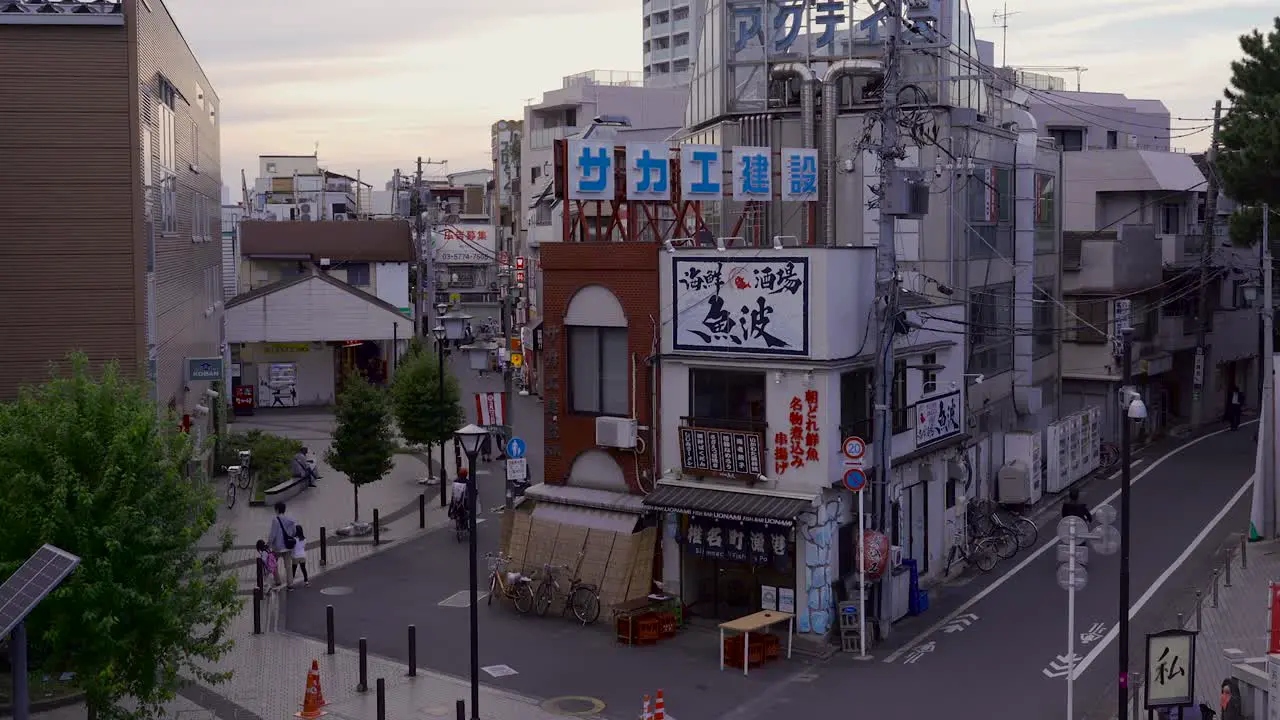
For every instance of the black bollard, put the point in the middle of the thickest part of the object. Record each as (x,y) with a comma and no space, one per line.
(375,526)
(257,611)
(260,571)
(324,547)
(413,651)
(328,629)
(364,666)
(382,699)
(422,511)
(462,710)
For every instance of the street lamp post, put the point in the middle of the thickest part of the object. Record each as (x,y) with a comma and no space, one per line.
(1135,409)
(452,327)
(469,438)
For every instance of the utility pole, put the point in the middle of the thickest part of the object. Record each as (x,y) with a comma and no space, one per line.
(422,243)
(1210,221)
(1271,512)
(887,272)
(1122,639)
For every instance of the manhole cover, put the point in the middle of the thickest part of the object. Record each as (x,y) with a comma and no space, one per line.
(499,670)
(337,590)
(574,705)
(437,711)
(459,599)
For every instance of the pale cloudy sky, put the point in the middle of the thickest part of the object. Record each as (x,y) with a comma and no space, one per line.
(378,82)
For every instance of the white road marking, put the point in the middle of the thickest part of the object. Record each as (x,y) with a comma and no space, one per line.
(964,608)
(1135,608)
(1137,462)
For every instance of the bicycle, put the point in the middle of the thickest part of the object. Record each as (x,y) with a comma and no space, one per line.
(974,551)
(1003,539)
(1021,526)
(240,475)
(583,598)
(1108,454)
(514,586)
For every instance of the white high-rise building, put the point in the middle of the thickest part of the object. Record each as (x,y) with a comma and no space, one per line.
(671,31)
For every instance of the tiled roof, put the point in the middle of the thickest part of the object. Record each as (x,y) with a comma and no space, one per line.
(61,7)
(279,285)
(336,240)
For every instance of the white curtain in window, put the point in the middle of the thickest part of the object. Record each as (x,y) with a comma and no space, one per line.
(584,369)
(615,372)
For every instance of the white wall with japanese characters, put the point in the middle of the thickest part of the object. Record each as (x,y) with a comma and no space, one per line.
(791,303)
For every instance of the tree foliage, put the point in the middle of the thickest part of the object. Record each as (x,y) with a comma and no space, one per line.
(363,443)
(1249,159)
(89,467)
(423,417)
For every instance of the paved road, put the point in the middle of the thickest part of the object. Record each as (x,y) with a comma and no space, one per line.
(992,661)
(526,413)
(553,657)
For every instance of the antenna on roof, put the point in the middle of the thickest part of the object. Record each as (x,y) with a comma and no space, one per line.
(1002,22)
(316,150)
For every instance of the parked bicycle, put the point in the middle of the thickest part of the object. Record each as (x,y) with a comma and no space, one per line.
(1108,454)
(989,519)
(513,586)
(582,598)
(1021,526)
(240,475)
(974,551)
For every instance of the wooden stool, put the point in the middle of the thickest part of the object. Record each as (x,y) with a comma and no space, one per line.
(648,629)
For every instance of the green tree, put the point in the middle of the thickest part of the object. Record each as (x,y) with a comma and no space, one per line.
(88,466)
(1249,158)
(363,442)
(424,418)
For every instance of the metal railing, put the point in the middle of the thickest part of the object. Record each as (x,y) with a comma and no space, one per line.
(543,138)
(623,78)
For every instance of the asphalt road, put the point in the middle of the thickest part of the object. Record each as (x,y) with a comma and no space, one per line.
(552,657)
(526,415)
(991,660)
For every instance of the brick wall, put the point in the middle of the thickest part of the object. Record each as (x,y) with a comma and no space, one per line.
(630,272)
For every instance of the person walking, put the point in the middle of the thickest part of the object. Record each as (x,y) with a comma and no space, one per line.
(299,558)
(280,540)
(1235,407)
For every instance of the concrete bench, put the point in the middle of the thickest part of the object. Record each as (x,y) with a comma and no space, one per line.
(284,490)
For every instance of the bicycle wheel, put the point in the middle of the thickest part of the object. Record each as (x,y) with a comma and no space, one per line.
(1005,543)
(523,599)
(246,480)
(493,588)
(984,556)
(231,495)
(1027,532)
(586,605)
(542,599)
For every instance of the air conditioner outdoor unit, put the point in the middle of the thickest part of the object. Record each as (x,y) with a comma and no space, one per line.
(616,432)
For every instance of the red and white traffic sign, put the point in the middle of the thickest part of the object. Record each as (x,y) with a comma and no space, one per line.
(520,263)
(855,479)
(855,448)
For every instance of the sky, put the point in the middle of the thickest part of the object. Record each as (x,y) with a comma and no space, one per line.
(372,85)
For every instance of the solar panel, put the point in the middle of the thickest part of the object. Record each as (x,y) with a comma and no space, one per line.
(38,576)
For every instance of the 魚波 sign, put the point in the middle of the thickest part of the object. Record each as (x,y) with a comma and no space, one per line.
(938,418)
(747,305)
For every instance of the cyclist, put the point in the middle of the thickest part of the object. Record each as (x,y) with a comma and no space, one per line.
(458,497)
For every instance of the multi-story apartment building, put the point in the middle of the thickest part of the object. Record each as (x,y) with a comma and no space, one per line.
(295,187)
(720,375)
(671,32)
(1134,222)
(111,236)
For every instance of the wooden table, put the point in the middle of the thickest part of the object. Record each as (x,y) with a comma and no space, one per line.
(755,623)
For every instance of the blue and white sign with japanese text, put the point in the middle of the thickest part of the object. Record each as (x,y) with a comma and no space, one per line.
(590,169)
(752,174)
(756,305)
(799,174)
(782,27)
(701,172)
(648,171)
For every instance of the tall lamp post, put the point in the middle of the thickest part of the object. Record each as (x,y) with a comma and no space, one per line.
(1135,409)
(452,327)
(470,438)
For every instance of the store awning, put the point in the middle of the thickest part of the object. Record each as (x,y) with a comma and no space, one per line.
(728,504)
(592,518)
(586,498)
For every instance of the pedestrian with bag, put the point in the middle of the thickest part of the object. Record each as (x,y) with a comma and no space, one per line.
(281,540)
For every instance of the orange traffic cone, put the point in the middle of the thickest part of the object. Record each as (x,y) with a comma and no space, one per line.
(659,708)
(313,699)
(644,713)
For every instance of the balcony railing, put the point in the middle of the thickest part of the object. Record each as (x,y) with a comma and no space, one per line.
(725,448)
(543,138)
(624,78)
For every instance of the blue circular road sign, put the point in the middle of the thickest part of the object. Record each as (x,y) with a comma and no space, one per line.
(855,479)
(515,448)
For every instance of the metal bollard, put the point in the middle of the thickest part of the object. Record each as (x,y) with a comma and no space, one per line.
(364,666)
(1227,564)
(328,629)
(261,571)
(1244,552)
(1215,589)
(462,710)
(422,511)
(257,611)
(375,526)
(1199,607)
(382,699)
(1182,625)
(1135,680)
(413,651)
(324,547)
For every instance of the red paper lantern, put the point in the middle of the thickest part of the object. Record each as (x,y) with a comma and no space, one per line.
(875,553)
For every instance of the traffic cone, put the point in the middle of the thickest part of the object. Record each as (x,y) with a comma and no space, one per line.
(659,708)
(644,713)
(313,698)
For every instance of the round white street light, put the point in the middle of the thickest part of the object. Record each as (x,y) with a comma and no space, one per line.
(470,437)
(440,332)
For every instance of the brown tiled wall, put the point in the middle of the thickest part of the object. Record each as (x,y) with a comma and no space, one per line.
(630,272)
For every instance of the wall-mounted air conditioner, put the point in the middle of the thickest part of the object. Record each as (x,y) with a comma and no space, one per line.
(616,432)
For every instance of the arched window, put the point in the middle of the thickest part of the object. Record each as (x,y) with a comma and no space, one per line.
(599,362)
